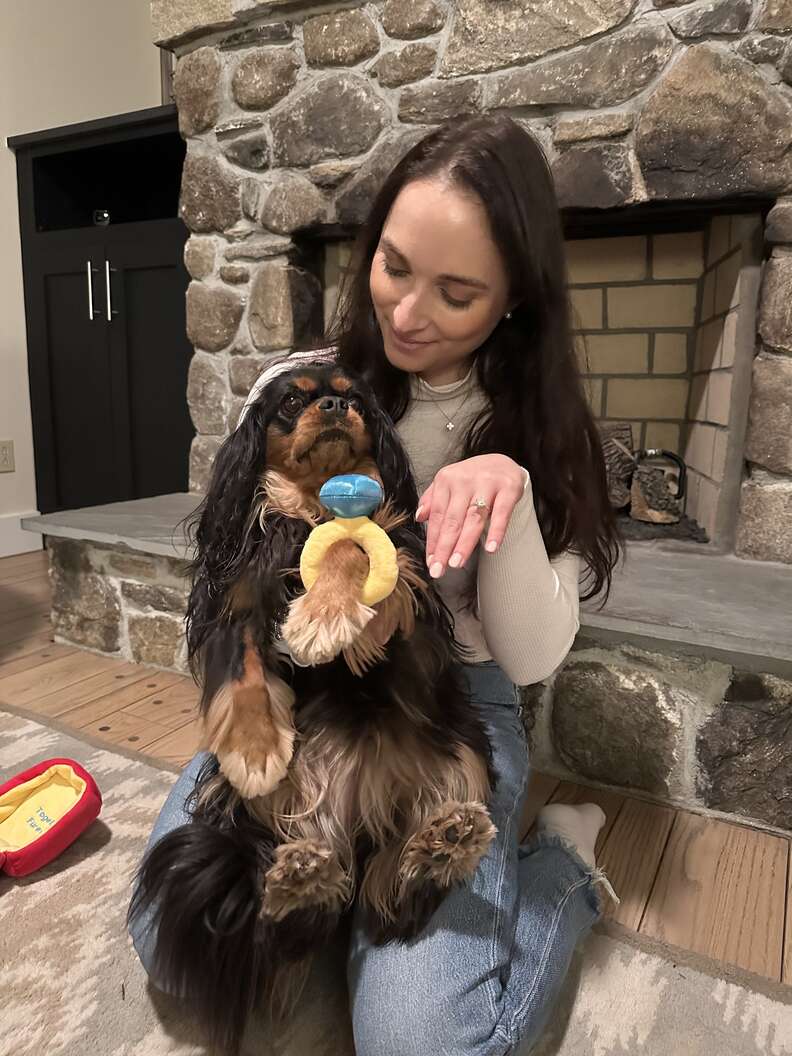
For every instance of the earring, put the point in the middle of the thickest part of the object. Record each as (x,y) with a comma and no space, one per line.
(507,315)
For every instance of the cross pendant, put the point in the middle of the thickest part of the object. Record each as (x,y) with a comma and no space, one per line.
(449,426)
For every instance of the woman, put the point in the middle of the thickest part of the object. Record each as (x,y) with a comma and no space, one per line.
(458,315)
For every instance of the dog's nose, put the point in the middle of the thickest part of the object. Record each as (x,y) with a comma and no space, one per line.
(336,406)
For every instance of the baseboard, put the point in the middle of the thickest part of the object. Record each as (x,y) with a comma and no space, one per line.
(14,539)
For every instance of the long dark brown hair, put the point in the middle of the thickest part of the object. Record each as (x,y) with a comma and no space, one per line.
(527,366)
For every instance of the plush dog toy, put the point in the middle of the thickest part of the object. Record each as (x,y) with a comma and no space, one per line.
(42,811)
(351,498)
(346,758)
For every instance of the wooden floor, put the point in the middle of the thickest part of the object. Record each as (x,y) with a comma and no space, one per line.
(705,885)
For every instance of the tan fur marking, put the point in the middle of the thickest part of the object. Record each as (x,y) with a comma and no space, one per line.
(306,384)
(249,727)
(308,460)
(305,873)
(340,383)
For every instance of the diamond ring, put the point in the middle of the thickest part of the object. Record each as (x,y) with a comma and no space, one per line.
(480,504)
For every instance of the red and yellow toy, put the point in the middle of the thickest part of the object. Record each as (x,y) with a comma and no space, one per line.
(42,811)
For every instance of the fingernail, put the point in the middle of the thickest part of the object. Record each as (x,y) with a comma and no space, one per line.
(492,545)
(418,512)
(429,560)
(454,560)
(435,570)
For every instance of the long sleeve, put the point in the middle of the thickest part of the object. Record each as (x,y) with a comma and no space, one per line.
(528,604)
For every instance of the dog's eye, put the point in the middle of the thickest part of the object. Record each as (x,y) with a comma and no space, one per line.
(291,404)
(356,402)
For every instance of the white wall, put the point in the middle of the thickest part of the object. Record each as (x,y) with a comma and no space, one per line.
(61,61)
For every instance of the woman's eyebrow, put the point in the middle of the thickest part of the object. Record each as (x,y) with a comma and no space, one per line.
(386,242)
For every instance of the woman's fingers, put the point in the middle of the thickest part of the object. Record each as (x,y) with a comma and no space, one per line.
(505,501)
(451,528)
(469,537)
(441,495)
(424,504)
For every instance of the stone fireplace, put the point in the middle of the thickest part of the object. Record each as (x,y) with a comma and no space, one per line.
(668,129)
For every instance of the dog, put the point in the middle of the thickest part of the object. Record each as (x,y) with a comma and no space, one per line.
(347,760)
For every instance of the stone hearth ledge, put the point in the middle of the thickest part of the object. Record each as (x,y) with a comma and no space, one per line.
(665,596)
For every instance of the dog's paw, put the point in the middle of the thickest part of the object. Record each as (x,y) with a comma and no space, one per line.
(449,847)
(305,874)
(317,629)
(254,772)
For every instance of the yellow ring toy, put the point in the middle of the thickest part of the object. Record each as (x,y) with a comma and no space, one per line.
(350,497)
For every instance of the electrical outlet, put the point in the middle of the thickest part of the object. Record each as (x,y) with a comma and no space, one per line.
(6,456)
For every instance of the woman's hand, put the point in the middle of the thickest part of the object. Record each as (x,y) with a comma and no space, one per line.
(454,524)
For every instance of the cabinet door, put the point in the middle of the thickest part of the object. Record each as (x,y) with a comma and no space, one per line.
(70,379)
(150,352)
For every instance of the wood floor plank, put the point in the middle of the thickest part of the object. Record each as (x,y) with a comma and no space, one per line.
(174,707)
(129,731)
(611,803)
(720,891)
(60,701)
(24,688)
(10,651)
(24,610)
(24,627)
(179,746)
(25,581)
(631,855)
(36,559)
(24,592)
(540,789)
(34,659)
(101,707)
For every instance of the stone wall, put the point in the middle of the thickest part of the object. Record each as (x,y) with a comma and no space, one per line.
(119,602)
(681,729)
(293,112)
(763,529)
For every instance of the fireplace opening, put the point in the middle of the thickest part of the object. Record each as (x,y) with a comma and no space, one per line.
(664,306)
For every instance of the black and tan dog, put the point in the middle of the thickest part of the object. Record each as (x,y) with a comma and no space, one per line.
(353,765)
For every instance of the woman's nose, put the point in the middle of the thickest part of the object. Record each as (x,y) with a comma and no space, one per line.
(410,314)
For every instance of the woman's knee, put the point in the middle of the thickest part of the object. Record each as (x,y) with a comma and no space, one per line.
(407,1006)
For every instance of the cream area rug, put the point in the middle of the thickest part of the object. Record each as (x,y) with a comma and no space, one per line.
(71,982)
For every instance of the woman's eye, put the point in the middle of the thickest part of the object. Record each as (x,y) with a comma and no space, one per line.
(390,270)
(291,404)
(456,304)
(449,300)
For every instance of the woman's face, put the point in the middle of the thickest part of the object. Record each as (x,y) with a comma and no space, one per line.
(437,281)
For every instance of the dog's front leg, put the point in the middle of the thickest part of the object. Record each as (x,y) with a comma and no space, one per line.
(249,726)
(330,616)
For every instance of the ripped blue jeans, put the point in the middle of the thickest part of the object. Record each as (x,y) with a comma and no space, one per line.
(484,975)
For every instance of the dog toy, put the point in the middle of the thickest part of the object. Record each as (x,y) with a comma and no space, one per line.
(352,497)
(42,811)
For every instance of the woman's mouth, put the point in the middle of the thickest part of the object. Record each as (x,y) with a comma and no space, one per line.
(403,343)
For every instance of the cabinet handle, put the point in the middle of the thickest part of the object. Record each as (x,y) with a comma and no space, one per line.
(110,310)
(91,313)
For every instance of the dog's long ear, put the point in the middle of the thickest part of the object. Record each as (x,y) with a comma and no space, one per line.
(222,528)
(391,460)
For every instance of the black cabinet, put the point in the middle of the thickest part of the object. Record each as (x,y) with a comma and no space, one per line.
(108,354)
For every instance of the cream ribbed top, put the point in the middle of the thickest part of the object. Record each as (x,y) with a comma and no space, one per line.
(528,605)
